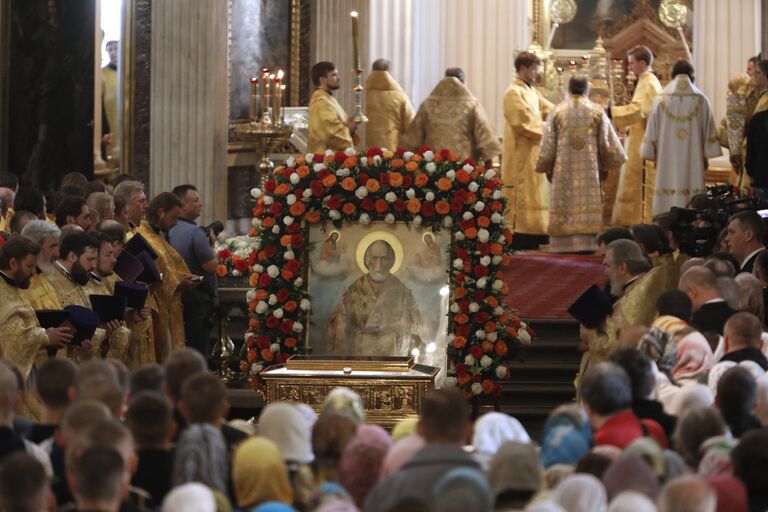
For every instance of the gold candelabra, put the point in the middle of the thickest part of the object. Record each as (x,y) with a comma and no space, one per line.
(357,75)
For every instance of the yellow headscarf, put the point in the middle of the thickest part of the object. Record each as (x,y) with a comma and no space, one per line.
(259,473)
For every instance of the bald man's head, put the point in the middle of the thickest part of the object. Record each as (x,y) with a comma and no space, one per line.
(700,284)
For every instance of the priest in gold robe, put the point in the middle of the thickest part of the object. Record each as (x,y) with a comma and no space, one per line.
(579,149)
(524,112)
(329,125)
(452,118)
(637,177)
(162,215)
(41,294)
(387,107)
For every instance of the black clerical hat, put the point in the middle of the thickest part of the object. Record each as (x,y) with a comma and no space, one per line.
(135,294)
(591,308)
(108,307)
(128,266)
(51,317)
(138,244)
(84,321)
(150,274)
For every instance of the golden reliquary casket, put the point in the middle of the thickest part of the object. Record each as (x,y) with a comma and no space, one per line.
(392,388)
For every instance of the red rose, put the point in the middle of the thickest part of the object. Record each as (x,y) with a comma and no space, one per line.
(241,265)
(466,224)
(366,204)
(381,206)
(282,295)
(282,358)
(334,202)
(270,185)
(424,149)
(275,209)
(252,258)
(477,377)
(270,251)
(317,157)
(339,156)
(272,322)
(262,341)
(400,151)
(478,296)
(224,254)
(428,209)
(322,173)
(317,188)
(287,172)
(462,330)
(469,161)
(264,280)
(461,368)
(460,195)
(398,205)
(362,179)
(292,265)
(286,327)
(372,152)
(481,271)
(407,180)
(459,278)
(297,240)
(293,228)
(298,192)
(384,179)
(444,154)
(457,207)
(464,305)
(481,317)
(483,248)
(462,253)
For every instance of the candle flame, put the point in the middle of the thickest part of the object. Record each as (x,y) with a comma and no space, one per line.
(282,87)
(271,76)
(353,14)
(254,80)
(265,70)
(280,74)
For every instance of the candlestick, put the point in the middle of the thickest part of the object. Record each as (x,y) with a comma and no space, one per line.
(254,110)
(355,51)
(264,108)
(282,107)
(276,96)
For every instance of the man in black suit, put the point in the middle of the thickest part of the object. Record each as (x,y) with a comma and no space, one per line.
(742,340)
(710,311)
(745,238)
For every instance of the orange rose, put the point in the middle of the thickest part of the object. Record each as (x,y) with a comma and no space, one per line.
(268,222)
(488,386)
(253,232)
(251,356)
(486,192)
(297,208)
(313,217)
(496,206)
(461,319)
(508,236)
(412,166)
(492,301)
(348,184)
(266,354)
(302,171)
(444,184)
(253,279)
(462,176)
(350,162)
(372,185)
(471,198)
(462,379)
(253,324)
(442,207)
(483,221)
(487,346)
(329,181)
(489,326)
(348,208)
(453,157)
(290,305)
(286,274)
(300,160)
(413,205)
(497,249)
(282,189)
(396,163)
(421,179)
(501,348)
(262,293)
(471,233)
(221,270)
(459,293)
(252,307)
(386,155)
(395,179)
(290,342)
(285,240)
(459,341)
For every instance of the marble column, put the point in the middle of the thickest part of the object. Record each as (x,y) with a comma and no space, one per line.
(726,33)
(188,119)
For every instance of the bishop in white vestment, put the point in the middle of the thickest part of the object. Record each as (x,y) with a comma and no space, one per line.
(680,136)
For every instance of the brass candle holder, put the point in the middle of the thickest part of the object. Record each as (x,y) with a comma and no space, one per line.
(266,136)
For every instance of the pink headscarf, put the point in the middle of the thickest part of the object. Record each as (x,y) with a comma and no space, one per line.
(400,453)
(731,493)
(362,459)
(694,357)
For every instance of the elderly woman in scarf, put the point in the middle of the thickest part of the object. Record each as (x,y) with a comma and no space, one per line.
(567,436)
(493,429)
(693,429)
(259,474)
(631,472)
(362,459)
(515,475)
(201,456)
(581,492)
(330,435)
(461,490)
(694,360)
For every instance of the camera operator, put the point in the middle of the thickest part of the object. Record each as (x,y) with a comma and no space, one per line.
(195,246)
(745,238)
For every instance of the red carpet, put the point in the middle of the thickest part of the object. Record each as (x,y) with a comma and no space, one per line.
(543,286)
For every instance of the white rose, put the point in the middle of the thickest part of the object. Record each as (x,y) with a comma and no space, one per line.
(290,199)
(489,174)
(365,219)
(309,157)
(318,167)
(479,206)
(496,194)
(498,311)
(364,161)
(361,192)
(342,173)
(255,192)
(449,382)
(496,218)
(498,284)
(467,215)
(389,218)
(447,222)
(477,388)
(407,155)
(430,196)
(473,186)
(278,313)
(294,178)
(485,261)
(287,220)
(262,307)
(274,347)
(459,236)
(458,264)
(468,168)
(306,194)
(501,239)
(334,214)
(430,167)
(454,308)
(256,368)
(429,155)
(390,197)
(486,361)
(304,304)
(417,220)
(288,255)
(272,299)
(276,229)
(328,152)
(377,159)
(273,271)
(290,162)
(496,260)
(268,200)
(480,334)
(298,281)
(297,327)
(501,372)
(525,337)
(410,193)
(236,273)
(349,151)
(474,307)
(469,360)
(492,336)
(256,222)
(258,268)
(483,235)
(451,175)
(250,296)
(482,282)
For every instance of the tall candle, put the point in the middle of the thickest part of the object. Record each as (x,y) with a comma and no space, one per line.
(355,51)
(254,110)
(264,91)
(269,94)
(282,109)
(276,96)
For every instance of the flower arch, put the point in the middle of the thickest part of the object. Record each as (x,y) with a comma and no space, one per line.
(436,190)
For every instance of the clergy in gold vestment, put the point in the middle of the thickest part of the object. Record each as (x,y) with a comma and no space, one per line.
(524,112)
(387,107)
(743,95)
(162,215)
(580,147)
(635,191)
(329,126)
(41,294)
(452,118)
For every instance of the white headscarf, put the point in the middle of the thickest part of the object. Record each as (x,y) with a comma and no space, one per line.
(544,506)
(285,425)
(691,396)
(492,430)
(191,497)
(581,492)
(631,501)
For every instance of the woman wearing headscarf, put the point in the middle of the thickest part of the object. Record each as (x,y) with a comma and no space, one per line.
(631,472)
(400,453)
(694,360)
(362,459)
(461,490)
(693,430)
(191,497)
(731,493)
(631,501)
(259,474)
(201,456)
(515,476)
(330,435)
(581,492)
(566,437)
(491,431)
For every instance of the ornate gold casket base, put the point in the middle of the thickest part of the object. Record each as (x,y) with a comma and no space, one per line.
(392,388)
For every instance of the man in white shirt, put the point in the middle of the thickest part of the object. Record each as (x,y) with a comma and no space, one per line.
(746,232)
